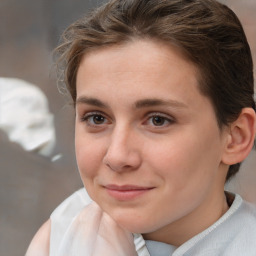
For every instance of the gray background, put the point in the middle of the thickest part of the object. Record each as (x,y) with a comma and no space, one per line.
(32,186)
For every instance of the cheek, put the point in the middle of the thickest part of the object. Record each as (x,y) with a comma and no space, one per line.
(89,157)
(186,159)
(172,156)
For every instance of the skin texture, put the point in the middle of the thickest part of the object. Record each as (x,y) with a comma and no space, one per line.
(149,150)
(141,121)
(40,245)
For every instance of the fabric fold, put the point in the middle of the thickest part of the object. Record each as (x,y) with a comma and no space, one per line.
(93,232)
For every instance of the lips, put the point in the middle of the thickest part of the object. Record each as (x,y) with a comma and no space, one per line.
(126,192)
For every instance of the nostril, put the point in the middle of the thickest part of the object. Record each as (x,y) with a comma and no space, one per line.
(122,154)
(122,163)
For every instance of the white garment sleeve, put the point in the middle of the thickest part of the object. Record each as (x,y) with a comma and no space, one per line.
(80,227)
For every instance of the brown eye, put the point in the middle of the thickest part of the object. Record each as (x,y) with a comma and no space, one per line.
(94,119)
(158,120)
(98,119)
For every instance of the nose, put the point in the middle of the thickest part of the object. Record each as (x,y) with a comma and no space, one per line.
(123,152)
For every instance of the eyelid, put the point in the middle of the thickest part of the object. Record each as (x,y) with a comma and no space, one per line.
(167,117)
(161,114)
(90,114)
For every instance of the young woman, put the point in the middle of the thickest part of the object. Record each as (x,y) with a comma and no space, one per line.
(163,92)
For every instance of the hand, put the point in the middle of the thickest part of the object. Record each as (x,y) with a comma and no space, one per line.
(95,233)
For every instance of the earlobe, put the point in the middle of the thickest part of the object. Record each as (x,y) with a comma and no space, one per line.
(240,138)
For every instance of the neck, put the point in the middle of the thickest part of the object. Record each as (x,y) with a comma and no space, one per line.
(182,230)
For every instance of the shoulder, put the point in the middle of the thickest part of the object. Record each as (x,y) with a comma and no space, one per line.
(242,214)
(241,230)
(233,234)
(247,214)
(40,244)
(53,229)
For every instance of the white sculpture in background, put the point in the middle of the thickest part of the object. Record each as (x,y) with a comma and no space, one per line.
(25,116)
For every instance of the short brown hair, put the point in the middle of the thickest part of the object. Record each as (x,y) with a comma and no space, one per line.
(208,33)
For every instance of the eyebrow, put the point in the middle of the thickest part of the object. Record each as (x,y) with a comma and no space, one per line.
(159,102)
(91,101)
(138,104)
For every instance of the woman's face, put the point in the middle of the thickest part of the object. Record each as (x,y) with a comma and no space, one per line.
(148,146)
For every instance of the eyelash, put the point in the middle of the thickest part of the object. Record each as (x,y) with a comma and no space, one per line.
(86,118)
(166,119)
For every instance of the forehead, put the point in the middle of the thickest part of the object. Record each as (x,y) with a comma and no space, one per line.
(137,56)
(120,77)
(156,49)
(142,66)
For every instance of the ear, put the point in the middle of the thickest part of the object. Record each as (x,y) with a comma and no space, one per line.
(240,138)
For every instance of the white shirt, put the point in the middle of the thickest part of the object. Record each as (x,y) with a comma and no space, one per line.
(233,234)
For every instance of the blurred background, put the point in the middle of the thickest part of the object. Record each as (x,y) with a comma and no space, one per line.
(32,184)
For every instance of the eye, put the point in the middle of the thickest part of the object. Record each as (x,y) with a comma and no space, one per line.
(97,119)
(159,120)
(94,119)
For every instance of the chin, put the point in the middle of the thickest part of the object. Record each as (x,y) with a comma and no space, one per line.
(135,225)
